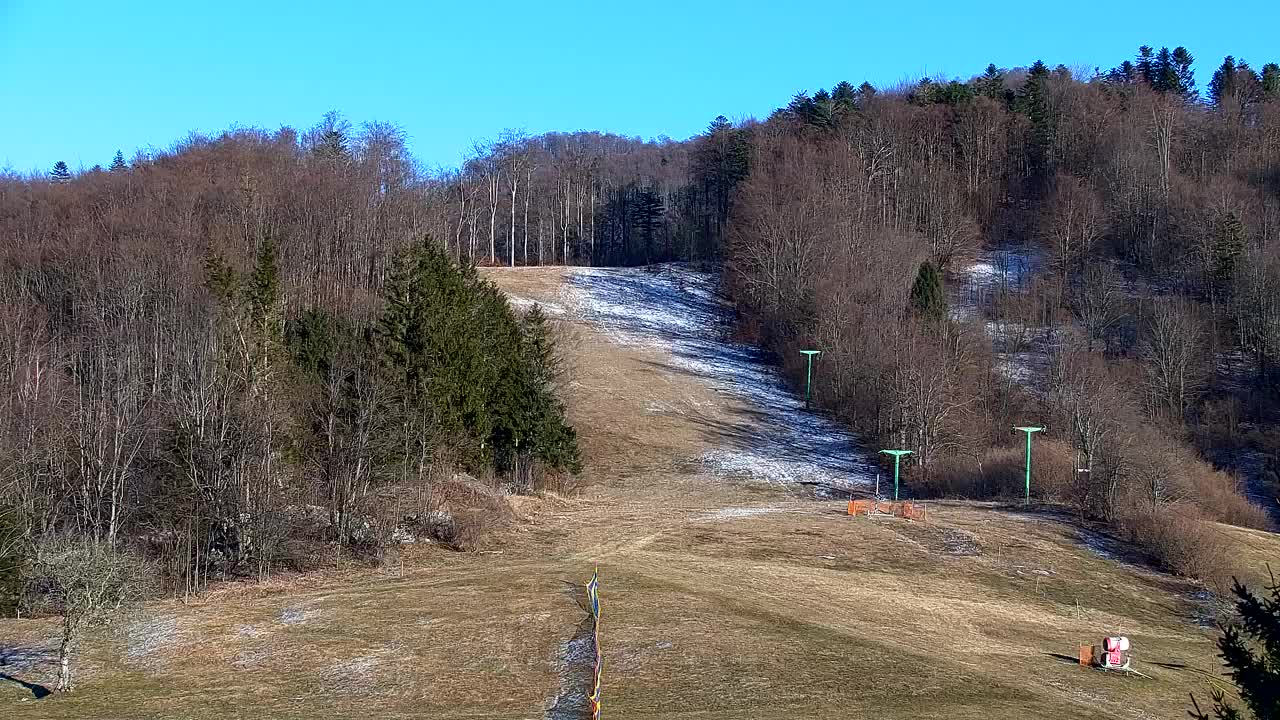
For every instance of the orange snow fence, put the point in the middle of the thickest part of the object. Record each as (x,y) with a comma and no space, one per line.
(904,509)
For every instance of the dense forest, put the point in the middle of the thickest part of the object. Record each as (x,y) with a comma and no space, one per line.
(247,354)
(206,347)
(1155,215)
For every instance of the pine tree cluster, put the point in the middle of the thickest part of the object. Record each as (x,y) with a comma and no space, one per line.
(479,378)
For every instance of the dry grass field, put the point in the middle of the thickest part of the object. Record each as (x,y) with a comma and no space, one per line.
(723,597)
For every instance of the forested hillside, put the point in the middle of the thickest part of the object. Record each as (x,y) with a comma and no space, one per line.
(248,354)
(205,344)
(1154,216)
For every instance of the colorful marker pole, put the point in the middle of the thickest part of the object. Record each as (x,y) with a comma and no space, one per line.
(808,378)
(1029,430)
(897,461)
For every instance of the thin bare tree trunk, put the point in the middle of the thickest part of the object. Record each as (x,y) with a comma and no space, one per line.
(528,180)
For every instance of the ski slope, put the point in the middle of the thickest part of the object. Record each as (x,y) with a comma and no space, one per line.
(676,310)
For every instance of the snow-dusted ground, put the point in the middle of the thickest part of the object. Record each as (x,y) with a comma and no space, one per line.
(732,513)
(676,310)
(1252,466)
(1022,352)
(523,304)
(989,274)
(27,658)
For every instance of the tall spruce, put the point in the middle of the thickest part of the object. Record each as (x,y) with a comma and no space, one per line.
(330,137)
(1186,76)
(1222,84)
(1270,82)
(927,298)
(118,164)
(554,440)
(1251,652)
(1035,103)
(1144,65)
(60,173)
(460,358)
(991,83)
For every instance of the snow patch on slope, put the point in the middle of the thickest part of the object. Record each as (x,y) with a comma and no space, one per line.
(548,308)
(676,310)
(1022,351)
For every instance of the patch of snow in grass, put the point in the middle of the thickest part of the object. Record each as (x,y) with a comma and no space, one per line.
(359,675)
(677,310)
(574,664)
(1104,547)
(741,512)
(145,638)
(297,616)
(548,308)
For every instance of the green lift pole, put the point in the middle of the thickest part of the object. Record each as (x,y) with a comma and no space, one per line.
(897,461)
(1029,431)
(808,378)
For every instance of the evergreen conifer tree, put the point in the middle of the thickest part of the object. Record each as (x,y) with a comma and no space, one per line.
(1223,82)
(118,164)
(330,137)
(991,83)
(1144,65)
(1271,82)
(1126,73)
(1164,75)
(1185,85)
(461,362)
(1034,101)
(844,96)
(60,172)
(927,299)
(1251,651)
(554,440)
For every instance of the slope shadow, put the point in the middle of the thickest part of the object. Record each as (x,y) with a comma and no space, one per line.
(37,690)
(1064,658)
(25,659)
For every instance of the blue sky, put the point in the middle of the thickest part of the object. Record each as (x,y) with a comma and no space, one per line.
(80,79)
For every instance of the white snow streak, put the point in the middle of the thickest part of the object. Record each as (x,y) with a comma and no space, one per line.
(524,303)
(1022,352)
(676,310)
(731,513)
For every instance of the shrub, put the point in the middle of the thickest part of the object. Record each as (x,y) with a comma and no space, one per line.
(998,472)
(1179,540)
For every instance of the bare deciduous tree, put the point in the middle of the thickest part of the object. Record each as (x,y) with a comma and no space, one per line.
(1172,349)
(1095,300)
(89,582)
(1074,222)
